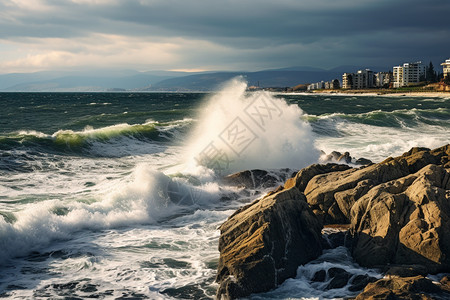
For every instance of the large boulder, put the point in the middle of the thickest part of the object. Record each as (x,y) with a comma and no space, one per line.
(262,244)
(412,288)
(405,221)
(332,195)
(252,179)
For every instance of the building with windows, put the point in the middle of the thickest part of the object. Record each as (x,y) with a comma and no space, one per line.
(347,81)
(408,73)
(446,67)
(383,79)
(362,79)
(328,85)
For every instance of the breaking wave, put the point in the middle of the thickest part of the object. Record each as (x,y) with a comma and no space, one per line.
(238,131)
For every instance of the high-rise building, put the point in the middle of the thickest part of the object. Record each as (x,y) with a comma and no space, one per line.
(446,67)
(362,79)
(408,73)
(347,80)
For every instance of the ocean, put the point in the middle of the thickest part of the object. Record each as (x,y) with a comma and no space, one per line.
(118,195)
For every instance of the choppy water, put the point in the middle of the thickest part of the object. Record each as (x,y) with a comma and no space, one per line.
(101,194)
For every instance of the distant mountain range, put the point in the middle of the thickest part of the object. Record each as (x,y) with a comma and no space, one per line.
(130,80)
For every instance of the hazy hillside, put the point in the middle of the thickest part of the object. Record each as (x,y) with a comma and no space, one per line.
(98,80)
(211,81)
(104,80)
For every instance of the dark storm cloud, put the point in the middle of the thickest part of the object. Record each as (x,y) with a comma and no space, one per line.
(281,31)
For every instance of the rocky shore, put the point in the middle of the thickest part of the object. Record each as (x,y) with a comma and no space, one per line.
(397,215)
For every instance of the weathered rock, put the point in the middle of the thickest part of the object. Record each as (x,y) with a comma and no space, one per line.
(363,161)
(319,276)
(405,221)
(445,284)
(262,244)
(399,211)
(335,239)
(406,271)
(359,282)
(331,195)
(251,179)
(302,178)
(339,278)
(346,158)
(400,288)
(333,156)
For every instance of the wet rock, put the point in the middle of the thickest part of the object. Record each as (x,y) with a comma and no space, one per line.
(363,161)
(319,276)
(336,239)
(407,271)
(263,243)
(359,282)
(333,156)
(339,278)
(405,222)
(400,288)
(251,179)
(445,284)
(346,158)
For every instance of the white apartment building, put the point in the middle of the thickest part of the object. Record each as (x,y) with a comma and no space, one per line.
(408,73)
(360,80)
(446,66)
(347,80)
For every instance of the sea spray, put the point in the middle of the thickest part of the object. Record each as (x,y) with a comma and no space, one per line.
(239,130)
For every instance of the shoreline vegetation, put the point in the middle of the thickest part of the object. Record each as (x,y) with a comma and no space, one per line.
(394,217)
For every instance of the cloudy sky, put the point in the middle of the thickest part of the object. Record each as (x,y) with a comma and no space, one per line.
(145,35)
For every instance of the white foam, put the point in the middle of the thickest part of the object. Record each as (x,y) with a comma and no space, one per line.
(253,130)
(378,143)
(144,197)
(301,287)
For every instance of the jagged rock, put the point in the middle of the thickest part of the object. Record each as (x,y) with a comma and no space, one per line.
(405,221)
(319,276)
(363,161)
(406,270)
(400,288)
(336,239)
(333,156)
(345,158)
(445,284)
(359,282)
(339,278)
(251,179)
(399,211)
(302,178)
(263,243)
(331,195)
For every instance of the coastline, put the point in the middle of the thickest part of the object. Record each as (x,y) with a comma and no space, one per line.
(373,93)
(382,93)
